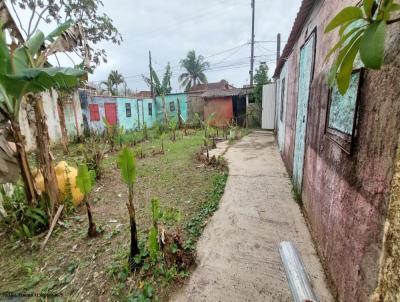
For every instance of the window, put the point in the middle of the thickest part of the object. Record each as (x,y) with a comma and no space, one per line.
(172,106)
(150,109)
(128,110)
(282,99)
(342,113)
(94,112)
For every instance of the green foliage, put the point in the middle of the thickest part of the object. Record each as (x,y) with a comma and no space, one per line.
(96,25)
(196,224)
(160,87)
(362,31)
(127,164)
(156,213)
(93,152)
(84,179)
(146,294)
(153,244)
(260,79)
(25,220)
(195,67)
(22,72)
(113,81)
(114,134)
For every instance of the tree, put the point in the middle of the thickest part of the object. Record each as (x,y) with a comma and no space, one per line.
(260,78)
(195,67)
(113,81)
(362,30)
(127,164)
(161,88)
(23,78)
(97,27)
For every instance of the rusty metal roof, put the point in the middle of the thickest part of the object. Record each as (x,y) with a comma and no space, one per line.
(215,93)
(301,18)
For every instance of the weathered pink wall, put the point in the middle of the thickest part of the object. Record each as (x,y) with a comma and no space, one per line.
(223,109)
(345,197)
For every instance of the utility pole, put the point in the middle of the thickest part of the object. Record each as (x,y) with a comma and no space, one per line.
(151,76)
(252,44)
(278,48)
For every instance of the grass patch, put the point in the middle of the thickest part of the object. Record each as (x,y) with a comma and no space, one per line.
(79,268)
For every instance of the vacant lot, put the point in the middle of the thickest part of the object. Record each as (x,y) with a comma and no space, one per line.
(77,268)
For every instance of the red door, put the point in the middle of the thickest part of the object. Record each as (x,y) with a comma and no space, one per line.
(111,112)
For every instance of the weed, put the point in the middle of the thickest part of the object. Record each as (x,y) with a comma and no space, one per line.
(195,226)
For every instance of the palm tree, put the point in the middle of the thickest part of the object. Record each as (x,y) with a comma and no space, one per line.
(113,81)
(161,88)
(195,67)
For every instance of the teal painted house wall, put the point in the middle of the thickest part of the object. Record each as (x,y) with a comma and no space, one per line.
(172,98)
(139,113)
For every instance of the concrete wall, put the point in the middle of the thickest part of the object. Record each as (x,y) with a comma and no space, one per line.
(97,126)
(345,196)
(172,98)
(195,104)
(223,109)
(27,119)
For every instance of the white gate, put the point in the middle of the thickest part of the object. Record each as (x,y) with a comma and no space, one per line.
(268,107)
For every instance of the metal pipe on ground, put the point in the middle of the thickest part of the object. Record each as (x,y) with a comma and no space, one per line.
(296,274)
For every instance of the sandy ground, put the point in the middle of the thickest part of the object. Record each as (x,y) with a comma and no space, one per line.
(238,258)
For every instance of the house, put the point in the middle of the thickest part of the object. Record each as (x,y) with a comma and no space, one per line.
(196,101)
(174,103)
(341,154)
(129,113)
(227,105)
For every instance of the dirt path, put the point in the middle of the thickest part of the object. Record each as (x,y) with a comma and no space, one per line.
(238,258)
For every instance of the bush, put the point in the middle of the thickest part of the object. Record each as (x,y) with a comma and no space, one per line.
(25,220)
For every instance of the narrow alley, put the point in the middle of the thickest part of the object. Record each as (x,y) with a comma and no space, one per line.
(238,258)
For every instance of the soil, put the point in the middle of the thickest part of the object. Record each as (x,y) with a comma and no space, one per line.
(76,267)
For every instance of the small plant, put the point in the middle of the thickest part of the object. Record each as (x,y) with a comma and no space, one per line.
(26,220)
(93,154)
(127,164)
(206,142)
(145,294)
(162,138)
(145,132)
(84,183)
(114,134)
(153,242)
(173,126)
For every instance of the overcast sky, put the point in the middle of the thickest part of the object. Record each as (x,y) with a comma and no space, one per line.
(218,29)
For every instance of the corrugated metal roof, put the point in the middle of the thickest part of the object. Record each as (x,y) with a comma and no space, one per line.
(223,93)
(301,18)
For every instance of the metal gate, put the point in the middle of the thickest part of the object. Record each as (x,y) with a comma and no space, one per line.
(306,70)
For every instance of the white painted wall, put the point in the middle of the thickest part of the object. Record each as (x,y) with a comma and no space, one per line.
(268,107)
(281,105)
(27,119)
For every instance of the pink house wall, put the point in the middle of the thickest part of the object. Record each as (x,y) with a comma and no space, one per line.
(345,196)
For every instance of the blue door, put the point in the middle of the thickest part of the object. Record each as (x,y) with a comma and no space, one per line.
(306,70)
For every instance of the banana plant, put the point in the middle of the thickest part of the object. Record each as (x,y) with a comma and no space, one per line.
(84,183)
(173,126)
(362,30)
(127,164)
(153,241)
(24,75)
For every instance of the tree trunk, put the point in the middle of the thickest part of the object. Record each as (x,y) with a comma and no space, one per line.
(180,122)
(22,158)
(165,111)
(64,132)
(92,231)
(44,155)
(134,239)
